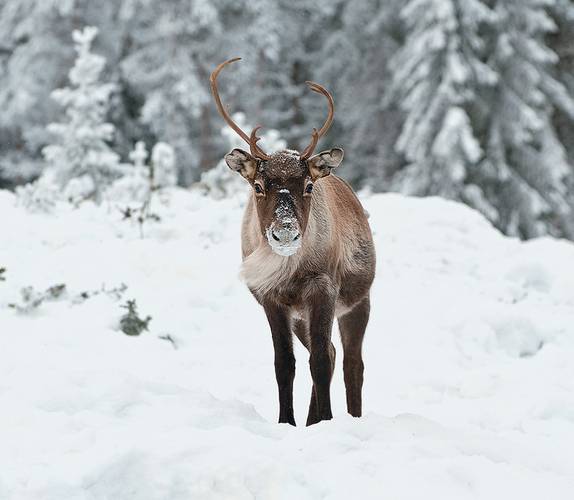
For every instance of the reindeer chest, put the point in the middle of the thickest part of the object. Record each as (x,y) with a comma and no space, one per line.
(296,290)
(289,293)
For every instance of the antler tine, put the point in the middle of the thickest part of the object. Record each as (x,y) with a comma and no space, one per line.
(312,145)
(220,107)
(258,152)
(255,151)
(319,89)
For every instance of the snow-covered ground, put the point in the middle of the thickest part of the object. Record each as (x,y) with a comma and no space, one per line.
(469,385)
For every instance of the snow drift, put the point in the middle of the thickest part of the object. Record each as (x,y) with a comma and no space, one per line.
(469,381)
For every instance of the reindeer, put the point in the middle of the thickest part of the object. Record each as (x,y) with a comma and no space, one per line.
(308,256)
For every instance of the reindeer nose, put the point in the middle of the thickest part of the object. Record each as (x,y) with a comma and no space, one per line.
(284,236)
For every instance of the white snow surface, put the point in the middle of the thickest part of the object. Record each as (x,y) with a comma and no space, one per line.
(469,355)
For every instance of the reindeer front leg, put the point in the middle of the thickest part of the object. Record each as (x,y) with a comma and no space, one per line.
(284,359)
(322,354)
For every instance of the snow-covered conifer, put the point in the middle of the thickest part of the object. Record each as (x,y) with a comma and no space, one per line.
(134,187)
(525,167)
(139,155)
(39,196)
(81,148)
(163,166)
(436,75)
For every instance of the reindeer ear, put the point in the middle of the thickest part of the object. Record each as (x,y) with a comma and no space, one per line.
(242,162)
(320,165)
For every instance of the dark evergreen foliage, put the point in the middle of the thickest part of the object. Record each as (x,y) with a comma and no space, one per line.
(131,323)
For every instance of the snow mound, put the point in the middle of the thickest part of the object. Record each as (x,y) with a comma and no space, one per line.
(469,388)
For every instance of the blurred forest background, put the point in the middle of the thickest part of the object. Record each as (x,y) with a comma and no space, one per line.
(472,100)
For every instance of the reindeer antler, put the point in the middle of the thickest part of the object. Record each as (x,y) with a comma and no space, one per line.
(251,140)
(308,151)
(316,135)
(255,151)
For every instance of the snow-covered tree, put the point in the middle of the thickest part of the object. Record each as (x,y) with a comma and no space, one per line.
(39,196)
(134,187)
(525,167)
(357,39)
(142,179)
(476,81)
(139,155)
(560,41)
(163,166)
(437,74)
(33,59)
(167,63)
(82,149)
(474,105)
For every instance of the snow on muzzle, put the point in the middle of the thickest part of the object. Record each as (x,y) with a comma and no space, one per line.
(284,233)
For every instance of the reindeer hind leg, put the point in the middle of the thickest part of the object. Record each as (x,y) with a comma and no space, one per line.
(352,328)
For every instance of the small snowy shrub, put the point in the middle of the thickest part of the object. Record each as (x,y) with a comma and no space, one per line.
(131,323)
(220,182)
(114,293)
(139,155)
(2,274)
(39,196)
(81,149)
(79,189)
(141,180)
(163,168)
(32,299)
(135,186)
(135,190)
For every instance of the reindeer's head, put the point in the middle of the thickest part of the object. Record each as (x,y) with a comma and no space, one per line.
(283,181)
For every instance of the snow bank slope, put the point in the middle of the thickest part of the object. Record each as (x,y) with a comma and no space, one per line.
(469,388)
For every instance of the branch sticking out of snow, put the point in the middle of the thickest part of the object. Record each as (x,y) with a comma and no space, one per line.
(32,299)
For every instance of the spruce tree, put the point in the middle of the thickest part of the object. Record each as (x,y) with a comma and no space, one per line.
(82,150)
(525,168)
(437,74)
(173,48)
(352,61)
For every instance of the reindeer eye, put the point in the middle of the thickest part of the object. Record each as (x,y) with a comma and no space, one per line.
(309,188)
(258,189)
